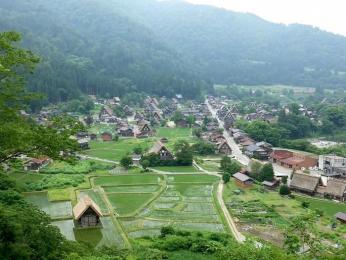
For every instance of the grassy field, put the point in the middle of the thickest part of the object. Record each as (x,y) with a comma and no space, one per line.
(127,180)
(174,133)
(330,208)
(116,150)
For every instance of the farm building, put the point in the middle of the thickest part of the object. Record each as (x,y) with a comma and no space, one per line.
(271,184)
(336,189)
(83,143)
(292,160)
(36,164)
(242,179)
(341,217)
(106,137)
(143,130)
(87,213)
(161,150)
(224,148)
(126,131)
(304,183)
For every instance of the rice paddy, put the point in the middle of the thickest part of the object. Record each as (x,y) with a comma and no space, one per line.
(135,205)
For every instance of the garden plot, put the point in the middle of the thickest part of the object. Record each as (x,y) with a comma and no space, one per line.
(96,196)
(128,180)
(56,210)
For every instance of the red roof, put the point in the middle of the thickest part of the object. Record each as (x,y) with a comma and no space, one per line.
(281,154)
(293,160)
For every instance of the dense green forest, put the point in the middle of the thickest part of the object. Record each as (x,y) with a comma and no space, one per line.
(114,47)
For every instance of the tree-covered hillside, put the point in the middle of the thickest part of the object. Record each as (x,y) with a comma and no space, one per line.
(229,47)
(88,47)
(113,47)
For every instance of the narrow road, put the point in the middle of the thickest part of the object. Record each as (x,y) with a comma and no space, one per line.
(237,235)
(239,156)
(97,159)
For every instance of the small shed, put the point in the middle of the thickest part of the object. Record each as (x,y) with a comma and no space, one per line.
(341,217)
(106,137)
(87,213)
(242,179)
(271,184)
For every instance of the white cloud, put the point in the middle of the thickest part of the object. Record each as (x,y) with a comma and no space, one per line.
(328,15)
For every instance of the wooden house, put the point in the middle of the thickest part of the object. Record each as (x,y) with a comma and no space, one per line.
(336,190)
(162,151)
(106,137)
(183,123)
(242,179)
(126,131)
(144,130)
(304,183)
(224,148)
(271,185)
(229,120)
(36,164)
(83,143)
(87,213)
(257,152)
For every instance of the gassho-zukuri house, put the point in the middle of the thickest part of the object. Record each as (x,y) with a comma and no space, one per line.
(87,213)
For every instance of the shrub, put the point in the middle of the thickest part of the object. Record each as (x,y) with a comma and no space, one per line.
(168,230)
(126,162)
(226,177)
(305,204)
(284,190)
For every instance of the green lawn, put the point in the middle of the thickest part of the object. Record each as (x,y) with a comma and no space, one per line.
(23,178)
(127,203)
(174,133)
(192,178)
(184,169)
(116,150)
(127,180)
(330,208)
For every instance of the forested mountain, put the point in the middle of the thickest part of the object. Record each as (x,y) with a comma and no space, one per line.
(112,47)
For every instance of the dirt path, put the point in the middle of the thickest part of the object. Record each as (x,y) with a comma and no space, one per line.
(237,235)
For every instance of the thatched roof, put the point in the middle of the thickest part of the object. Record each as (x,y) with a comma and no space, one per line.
(304,182)
(157,147)
(336,187)
(85,203)
(241,177)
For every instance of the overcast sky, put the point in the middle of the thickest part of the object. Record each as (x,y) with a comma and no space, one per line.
(329,15)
